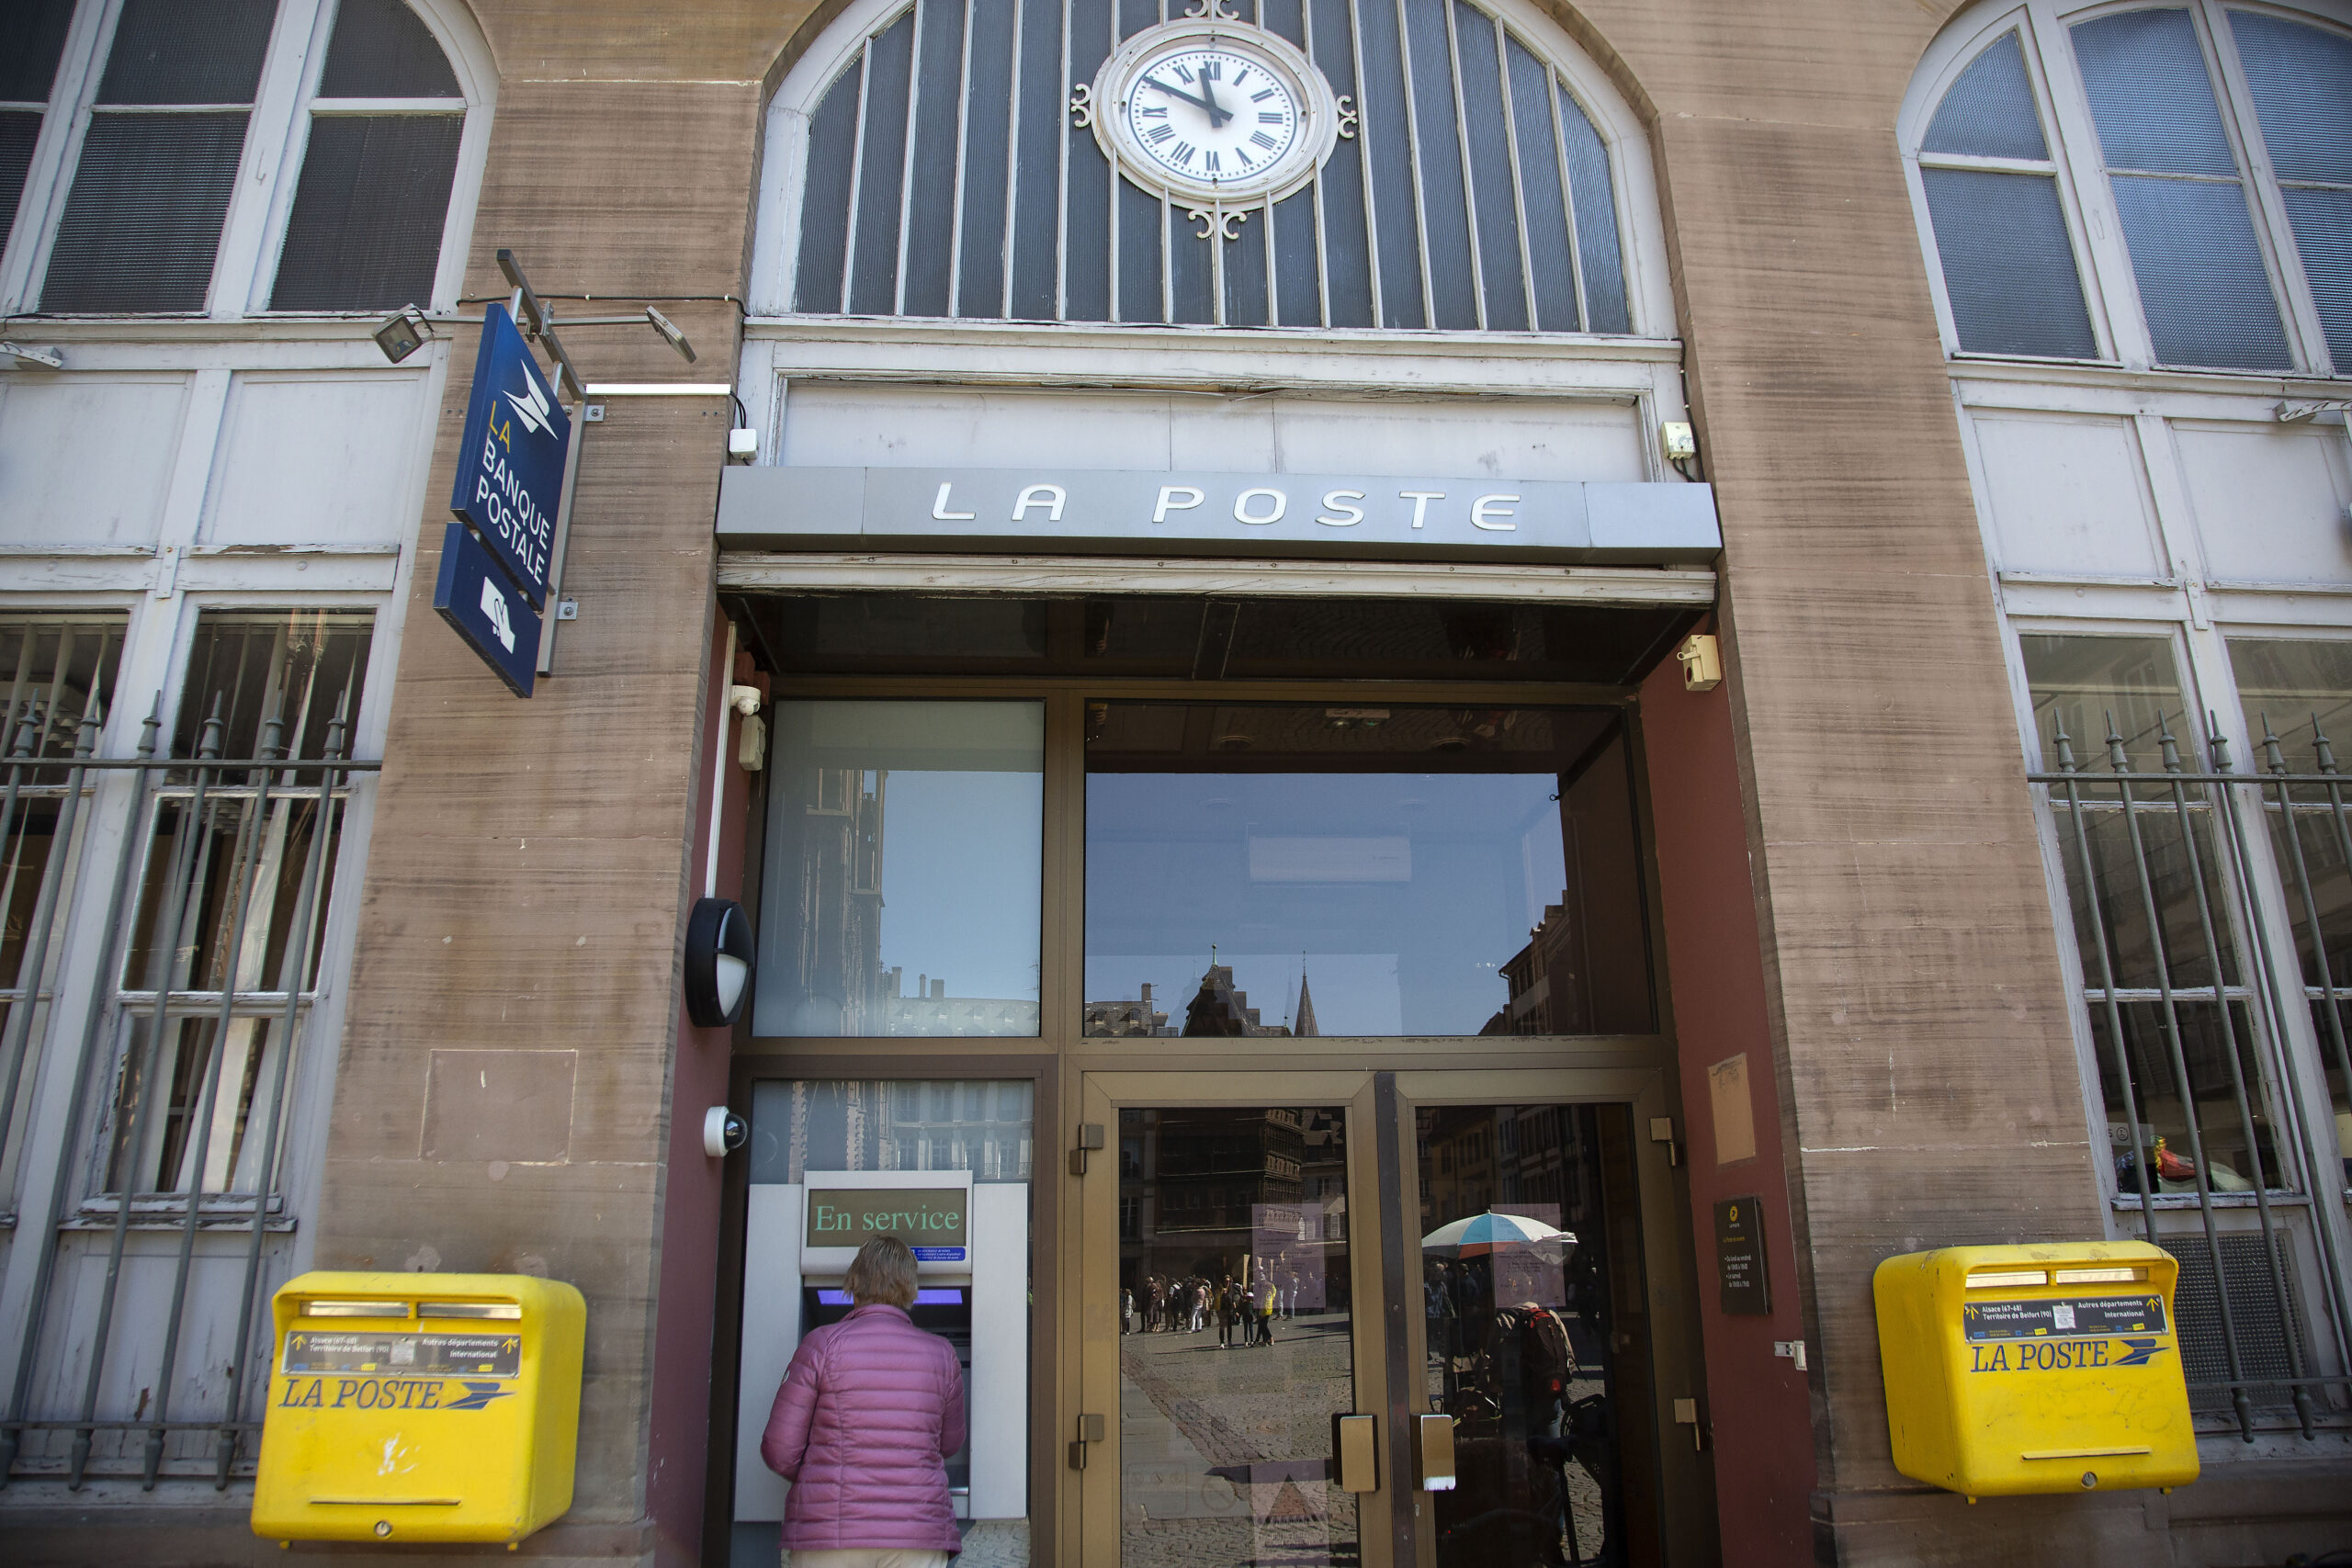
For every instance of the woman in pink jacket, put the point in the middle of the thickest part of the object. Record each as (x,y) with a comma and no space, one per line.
(869,1411)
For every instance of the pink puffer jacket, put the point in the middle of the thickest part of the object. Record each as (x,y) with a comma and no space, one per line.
(868,1412)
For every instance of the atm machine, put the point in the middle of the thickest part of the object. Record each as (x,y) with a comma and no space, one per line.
(971,1246)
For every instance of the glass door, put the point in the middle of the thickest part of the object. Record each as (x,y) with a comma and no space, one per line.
(1535,1336)
(1225,1340)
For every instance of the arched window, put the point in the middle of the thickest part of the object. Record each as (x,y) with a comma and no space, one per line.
(2192,163)
(939,165)
(123,124)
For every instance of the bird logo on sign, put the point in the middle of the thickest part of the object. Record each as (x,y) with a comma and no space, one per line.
(532,407)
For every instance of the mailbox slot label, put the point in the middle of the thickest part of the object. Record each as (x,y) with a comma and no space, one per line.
(412,1355)
(2060,1319)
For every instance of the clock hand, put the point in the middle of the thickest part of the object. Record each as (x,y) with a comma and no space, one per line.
(1216,116)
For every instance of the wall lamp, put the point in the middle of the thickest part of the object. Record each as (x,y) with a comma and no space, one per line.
(402,333)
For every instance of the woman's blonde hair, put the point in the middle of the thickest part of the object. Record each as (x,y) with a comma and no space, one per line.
(883,1270)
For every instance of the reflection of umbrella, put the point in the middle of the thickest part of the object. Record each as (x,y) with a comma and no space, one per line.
(1480,1234)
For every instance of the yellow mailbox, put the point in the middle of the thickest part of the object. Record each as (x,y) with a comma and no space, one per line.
(2035,1368)
(428,1407)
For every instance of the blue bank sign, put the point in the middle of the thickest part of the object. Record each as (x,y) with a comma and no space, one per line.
(495,558)
(510,464)
(488,610)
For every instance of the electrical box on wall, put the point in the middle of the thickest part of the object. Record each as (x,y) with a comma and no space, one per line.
(2035,1368)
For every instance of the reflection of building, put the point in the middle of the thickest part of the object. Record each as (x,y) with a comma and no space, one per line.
(1546,979)
(835,941)
(1138,1019)
(1216,1009)
(1213,1194)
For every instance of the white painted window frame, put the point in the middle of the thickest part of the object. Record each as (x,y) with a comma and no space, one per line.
(244,268)
(2111,291)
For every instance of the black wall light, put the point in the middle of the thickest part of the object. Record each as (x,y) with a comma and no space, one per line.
(719,961)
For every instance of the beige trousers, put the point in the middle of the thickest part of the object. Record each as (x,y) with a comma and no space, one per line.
(866,1557)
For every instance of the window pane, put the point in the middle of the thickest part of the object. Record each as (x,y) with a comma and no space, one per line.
(32,36)
(2201,279)
(902,882)
(2091,687)
(1490,170)
(384,50)
(980,1126)
(2301,692)
(2301,80)
(229,898)
(2232,1147)
(2151,94)
(1294,871)
(20,130)
(2323,224)
(2008,266)
(1446,233)
(1595,200)
(824,203)
(873,290)
(1989,110)
(1549,251)
(188,51)
(300,667)
(144,219)
(365,232)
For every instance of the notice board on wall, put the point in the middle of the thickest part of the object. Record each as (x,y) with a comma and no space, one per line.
(1746,1289)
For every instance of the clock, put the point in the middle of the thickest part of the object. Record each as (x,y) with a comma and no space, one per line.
(1212,113)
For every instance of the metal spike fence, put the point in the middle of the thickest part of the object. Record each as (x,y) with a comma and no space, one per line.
(2167,873)
(145,1084)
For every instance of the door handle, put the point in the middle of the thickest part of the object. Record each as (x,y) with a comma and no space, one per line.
(1354,1454)
(1433,1451)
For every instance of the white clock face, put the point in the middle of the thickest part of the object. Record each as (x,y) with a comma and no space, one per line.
(1214,112)
(1216,115)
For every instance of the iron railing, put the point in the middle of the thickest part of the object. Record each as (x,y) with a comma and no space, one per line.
(144,1085)
(2187,940)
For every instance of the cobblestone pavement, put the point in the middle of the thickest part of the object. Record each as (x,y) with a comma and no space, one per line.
(1224,1453)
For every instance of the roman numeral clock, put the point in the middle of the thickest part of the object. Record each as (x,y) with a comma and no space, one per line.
(1215,113)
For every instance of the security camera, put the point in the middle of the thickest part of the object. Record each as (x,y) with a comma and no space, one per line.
(745,700)
(723,1132)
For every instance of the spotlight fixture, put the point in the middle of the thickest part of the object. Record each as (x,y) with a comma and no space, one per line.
(48,356)
(402,333)
(668,329)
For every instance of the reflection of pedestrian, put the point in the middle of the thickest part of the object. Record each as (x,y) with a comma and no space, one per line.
(1127,1311)
(1228,1312)
(1266,1312)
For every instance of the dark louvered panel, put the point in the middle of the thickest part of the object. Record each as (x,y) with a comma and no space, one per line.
(2266,1332)
(32,35)
(366,234)
(382,49)
(144,219)
(19,128)
(188,51)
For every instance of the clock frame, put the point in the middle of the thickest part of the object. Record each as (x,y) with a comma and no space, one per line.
(1319,113)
